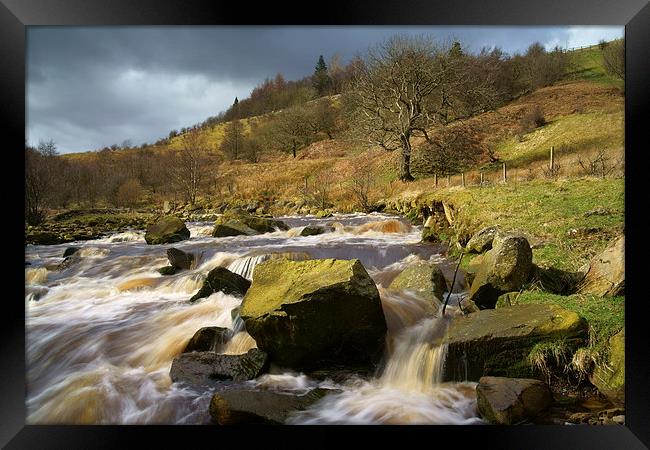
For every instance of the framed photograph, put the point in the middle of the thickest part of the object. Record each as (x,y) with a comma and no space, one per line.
(404,213)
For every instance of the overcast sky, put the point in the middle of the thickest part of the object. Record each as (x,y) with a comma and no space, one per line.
(90,87)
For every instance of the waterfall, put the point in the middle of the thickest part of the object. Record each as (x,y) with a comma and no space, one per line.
(245,266)
(410,389)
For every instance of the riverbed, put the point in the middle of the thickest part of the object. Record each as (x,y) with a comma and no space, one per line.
(103,331)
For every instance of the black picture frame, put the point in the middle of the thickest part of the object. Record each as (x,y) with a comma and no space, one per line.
(16,15)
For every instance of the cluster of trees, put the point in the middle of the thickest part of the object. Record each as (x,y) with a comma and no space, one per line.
(116,178)
(285,131)
(409,87)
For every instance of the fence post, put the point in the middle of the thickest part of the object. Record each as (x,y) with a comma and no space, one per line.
(481,178)
(448,180)
(305,184)
(505,173)
(462,178)
(435,179)
(551,165)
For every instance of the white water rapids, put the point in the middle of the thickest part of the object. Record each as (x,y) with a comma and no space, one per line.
(102,333)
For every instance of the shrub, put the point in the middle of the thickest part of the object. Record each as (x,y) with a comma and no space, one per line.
(534,117)
(599,165)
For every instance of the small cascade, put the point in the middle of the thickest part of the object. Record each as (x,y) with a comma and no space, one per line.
(410,389)
(245,266)
(416,363)
(36,275)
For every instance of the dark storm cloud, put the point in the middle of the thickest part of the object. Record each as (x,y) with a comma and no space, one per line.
(91,87)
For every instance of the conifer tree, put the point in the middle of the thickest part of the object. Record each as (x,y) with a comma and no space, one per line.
(321,79)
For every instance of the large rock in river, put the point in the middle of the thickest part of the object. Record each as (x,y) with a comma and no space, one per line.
(315,313)
(505,268)
(610,379)
(208,339)
(166,230)
(423,278)
(179,259)
(223,280)
(235,406)
(606,274)
(204,368)
(312,231)
(226,228)
(508,401)
(498,341)
(234,219)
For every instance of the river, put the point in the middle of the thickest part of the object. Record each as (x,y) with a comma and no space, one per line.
(102,333)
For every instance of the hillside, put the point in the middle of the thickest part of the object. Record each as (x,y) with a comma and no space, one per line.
(583,115)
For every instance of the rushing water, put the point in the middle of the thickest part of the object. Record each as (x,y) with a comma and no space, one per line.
(102,332)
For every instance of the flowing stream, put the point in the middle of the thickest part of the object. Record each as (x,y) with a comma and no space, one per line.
(102,332)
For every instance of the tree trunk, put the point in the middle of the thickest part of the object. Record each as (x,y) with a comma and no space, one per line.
(405,168)
(293,148)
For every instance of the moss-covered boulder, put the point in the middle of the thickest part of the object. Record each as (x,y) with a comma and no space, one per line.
(226,228)
(504,268)
(223,280)
(315,313)
(423,278)
(312,231)
(257,223)
(508,401)
(166,230)
(606,274)
(206,368)
(610,379)
(323,214)
(482,240)
(497,342)
(208,339)
(245,405)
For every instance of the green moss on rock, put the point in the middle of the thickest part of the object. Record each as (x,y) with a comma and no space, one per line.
(310,314)
(610,378)
(497,342)
(166,230)
(423,278)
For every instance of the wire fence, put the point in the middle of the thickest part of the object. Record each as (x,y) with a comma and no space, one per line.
(599,164)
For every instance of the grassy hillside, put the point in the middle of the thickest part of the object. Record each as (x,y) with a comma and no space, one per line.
(587,64)
(584,115)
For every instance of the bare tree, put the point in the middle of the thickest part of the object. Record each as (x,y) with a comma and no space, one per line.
(188,169)
(233,140)
(323,118)
(408,84)
(40,179)
(290,130)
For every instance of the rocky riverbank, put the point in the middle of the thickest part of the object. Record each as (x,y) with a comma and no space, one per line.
(518,320)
